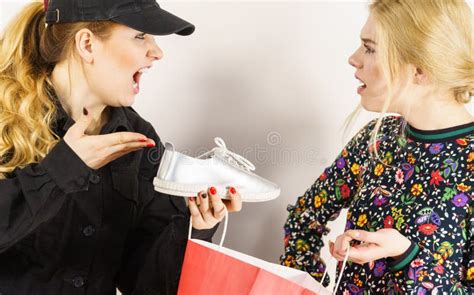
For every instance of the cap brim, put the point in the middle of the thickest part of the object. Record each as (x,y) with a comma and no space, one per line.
(156,21)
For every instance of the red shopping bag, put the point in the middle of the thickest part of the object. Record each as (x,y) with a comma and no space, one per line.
(210,269)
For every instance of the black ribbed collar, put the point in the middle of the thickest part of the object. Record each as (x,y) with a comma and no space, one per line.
(440,135)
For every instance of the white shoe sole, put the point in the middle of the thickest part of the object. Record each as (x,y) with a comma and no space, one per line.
(189,190)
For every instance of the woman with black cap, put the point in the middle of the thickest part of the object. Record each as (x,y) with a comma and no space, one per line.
(78,212)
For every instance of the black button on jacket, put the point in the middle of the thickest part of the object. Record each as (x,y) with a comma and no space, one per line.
(69,229)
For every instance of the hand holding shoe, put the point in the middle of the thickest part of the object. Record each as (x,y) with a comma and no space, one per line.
(208,209)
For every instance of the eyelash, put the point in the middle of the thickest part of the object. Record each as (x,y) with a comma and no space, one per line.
(141,36)
(369,50)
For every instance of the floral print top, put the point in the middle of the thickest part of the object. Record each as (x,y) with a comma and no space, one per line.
(423,187)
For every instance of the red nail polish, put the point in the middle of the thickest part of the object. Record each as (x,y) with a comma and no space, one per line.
(191,199)
(150,145)
(232,190)
(213,190)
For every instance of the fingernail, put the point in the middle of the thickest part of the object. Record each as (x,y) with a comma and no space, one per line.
(191,199)
(213,190)
(85,112)
(150,145)
(232,190)
(203,195)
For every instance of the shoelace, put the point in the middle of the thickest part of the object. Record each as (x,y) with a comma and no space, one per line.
(232,157)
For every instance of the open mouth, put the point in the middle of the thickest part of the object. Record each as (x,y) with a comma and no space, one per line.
(361,87)
(136,79)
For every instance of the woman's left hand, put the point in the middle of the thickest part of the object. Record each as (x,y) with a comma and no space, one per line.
(208,209)
(386,242)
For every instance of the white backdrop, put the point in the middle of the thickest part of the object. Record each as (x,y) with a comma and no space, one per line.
(270,78)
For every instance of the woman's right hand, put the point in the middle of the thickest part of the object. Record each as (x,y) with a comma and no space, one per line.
(383,243)
(97,151)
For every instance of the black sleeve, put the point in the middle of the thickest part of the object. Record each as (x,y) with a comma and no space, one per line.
(34,194)
(155,249)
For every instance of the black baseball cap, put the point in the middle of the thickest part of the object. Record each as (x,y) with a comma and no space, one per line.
(142,15)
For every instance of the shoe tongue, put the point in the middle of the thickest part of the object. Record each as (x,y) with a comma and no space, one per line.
(221,153)
(225,156)
(233,162)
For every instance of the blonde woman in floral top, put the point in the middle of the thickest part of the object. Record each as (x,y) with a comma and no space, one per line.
(407,179)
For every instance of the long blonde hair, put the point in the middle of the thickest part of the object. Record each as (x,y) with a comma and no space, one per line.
(434,35)
(28,53)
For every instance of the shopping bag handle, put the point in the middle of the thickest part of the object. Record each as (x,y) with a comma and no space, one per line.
(224,232)
(334,290)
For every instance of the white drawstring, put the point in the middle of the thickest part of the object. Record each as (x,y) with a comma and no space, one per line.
(233,157)
(334,290)
(224,232)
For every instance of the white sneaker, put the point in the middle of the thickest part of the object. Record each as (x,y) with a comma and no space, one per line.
(185,176)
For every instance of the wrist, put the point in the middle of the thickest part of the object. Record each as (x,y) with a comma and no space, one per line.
(398,262)
(406,244)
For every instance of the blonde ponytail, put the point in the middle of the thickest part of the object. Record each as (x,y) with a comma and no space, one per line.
(28,53)
(25,108)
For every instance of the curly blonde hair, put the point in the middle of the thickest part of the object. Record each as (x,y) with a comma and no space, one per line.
(29,52)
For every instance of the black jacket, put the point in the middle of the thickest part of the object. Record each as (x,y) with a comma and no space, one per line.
(69,229)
